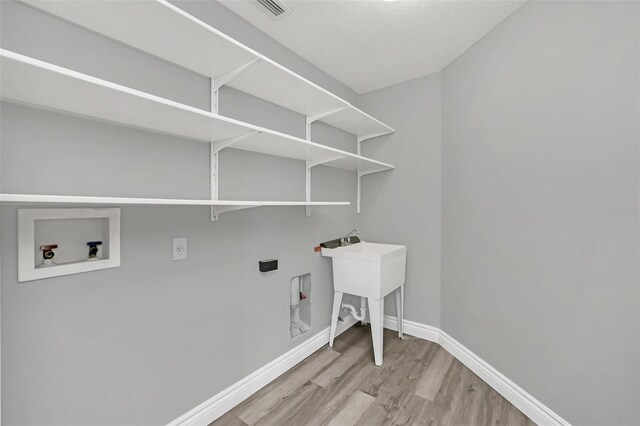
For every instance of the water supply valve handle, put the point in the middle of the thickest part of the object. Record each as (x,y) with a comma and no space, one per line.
(47,251)
(48,254)
(93,248)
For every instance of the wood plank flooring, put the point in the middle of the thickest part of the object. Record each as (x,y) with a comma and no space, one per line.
(419,383)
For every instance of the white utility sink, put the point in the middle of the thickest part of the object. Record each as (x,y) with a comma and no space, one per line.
(372,271)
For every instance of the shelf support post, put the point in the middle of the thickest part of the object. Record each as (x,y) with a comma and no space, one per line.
(308,188)
(309,120)
(359,182)
(214,180)
(359,193)
(213,169)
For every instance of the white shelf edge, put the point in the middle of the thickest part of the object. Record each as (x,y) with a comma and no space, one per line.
(76,199)
(380,166)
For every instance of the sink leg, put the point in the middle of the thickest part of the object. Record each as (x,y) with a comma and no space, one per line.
(337,302)
(376,315)
(400,308)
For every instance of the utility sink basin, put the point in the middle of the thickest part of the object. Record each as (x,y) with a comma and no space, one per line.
(368,269)
(371,271)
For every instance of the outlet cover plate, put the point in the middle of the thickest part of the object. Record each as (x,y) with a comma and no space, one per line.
(179,248)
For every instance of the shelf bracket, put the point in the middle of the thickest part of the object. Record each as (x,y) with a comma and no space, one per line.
(362,173)
(311,164)
(214,97)
(308,128)
(316,117)
(228,76)
(225,143)
(216,147)
(372,135)
(223,209)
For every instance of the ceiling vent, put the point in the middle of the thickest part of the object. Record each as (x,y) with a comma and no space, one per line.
(276,9)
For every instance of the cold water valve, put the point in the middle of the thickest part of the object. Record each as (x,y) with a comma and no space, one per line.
(94,249)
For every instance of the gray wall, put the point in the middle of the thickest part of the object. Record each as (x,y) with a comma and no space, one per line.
(540,125)
(404,207)
(508,164)
(146,342)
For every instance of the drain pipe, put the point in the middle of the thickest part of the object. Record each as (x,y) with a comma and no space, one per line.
(354,312)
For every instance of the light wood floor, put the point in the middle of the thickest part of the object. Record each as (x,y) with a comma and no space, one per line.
(419,383)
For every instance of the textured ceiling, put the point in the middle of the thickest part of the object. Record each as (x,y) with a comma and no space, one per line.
(370,44)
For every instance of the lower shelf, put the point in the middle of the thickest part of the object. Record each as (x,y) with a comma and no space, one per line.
(232,204)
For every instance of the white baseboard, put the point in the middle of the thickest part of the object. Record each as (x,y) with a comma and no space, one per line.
(224,401)
(525,402)
(425,332)
(530,406)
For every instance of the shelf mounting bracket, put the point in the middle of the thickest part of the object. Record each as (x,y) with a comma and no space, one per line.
(216,147)
(371,136)
(311,164)
(225,143)
(228,76)
(223,209)
(316,117)
(307,176)
(360,174)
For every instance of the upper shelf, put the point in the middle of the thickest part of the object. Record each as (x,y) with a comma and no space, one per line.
(144,24)
(73,199)
(30,81)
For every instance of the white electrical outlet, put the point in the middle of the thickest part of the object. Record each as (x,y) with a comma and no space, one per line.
(179,248)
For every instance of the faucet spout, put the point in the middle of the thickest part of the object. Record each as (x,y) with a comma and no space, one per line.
(346,240)
(353,231)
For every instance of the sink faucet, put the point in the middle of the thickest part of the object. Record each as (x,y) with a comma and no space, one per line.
(345,241)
